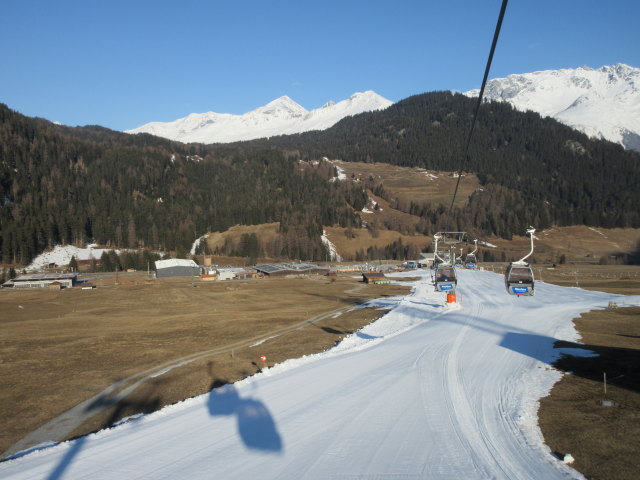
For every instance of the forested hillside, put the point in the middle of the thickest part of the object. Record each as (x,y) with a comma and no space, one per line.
(64,185)
(534,171)
(73,185)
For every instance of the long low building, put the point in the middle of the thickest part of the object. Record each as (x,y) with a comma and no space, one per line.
(42,280)
(282,269)
(177,267)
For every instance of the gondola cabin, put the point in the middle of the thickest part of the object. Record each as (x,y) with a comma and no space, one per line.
(519,279)
(446,279)
(470,261)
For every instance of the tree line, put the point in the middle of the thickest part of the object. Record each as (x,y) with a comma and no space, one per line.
(533,170)
(62,185)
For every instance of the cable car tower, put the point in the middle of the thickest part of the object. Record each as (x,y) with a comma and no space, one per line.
(519,276)
(446,279)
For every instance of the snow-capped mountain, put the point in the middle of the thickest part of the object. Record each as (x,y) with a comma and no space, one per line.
(280,117)
(603,102)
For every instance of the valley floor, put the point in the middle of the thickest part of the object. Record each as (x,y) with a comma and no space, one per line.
(428,391)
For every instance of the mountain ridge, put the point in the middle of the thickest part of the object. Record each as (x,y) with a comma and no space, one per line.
(600,102)
(282,116)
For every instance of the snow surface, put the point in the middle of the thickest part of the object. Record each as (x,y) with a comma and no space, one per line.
(603,102)
(282,116)
(333,252)
(61,255)
(196,243)
(428,391)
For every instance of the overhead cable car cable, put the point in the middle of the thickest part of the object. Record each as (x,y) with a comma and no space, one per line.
(475,115)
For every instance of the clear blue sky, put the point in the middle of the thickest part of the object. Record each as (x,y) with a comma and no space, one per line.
(124,63)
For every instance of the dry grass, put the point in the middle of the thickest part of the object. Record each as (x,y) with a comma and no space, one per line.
(59,348)
(578,243)
(414,184)
(622,279)
(604,440)
(385,215)
(363,239)
(266,233)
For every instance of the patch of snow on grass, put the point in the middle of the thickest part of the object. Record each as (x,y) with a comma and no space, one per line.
(61,255)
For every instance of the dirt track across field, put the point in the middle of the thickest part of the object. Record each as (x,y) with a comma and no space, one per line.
(78,360)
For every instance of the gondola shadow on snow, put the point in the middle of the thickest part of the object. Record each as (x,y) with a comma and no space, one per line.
(583,360)
(256,426)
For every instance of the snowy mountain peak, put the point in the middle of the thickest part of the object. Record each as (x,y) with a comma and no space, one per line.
(603,102)
(281,106)
(281,116)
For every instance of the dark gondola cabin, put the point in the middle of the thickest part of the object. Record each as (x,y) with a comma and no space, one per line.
(470,261)
(446,280)
(519,279)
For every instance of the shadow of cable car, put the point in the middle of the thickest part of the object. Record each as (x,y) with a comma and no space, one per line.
(256,427)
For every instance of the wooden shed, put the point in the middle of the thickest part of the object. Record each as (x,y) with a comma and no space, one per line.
(375,278)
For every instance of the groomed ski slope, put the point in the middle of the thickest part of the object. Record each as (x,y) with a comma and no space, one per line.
(429,391)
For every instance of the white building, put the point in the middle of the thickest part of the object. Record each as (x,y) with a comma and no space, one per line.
(177,267)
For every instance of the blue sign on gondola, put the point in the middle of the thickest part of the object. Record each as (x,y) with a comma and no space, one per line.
(520,290)
(470,265)
(446,286)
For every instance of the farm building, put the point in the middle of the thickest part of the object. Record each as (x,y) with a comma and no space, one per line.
(240,273)
(177,267)
(227,273)
(284,269)
(42,280)
(377,278)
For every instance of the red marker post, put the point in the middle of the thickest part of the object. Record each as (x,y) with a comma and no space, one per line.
(263,358)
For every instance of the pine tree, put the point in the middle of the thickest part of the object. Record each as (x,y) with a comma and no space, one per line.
(73,264)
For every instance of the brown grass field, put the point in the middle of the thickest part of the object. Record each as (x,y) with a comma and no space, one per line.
(363,239)
(266,232)
(604,440)
(414,184)
(59,348)
(579,244)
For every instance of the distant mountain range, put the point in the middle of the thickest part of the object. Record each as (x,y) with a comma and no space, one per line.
(603,103)
(282,116)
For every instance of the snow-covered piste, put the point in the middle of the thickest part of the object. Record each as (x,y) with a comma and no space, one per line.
(428,391)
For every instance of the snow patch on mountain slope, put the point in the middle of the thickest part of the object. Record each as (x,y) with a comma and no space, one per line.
(333,252)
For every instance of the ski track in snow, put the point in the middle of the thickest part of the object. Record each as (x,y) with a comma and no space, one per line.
(428,391)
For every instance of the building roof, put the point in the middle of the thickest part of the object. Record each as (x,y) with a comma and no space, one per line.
(373,275)
(286,267)
(30,277)
(175,262)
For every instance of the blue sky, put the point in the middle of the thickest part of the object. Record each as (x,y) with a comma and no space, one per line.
(124,63)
